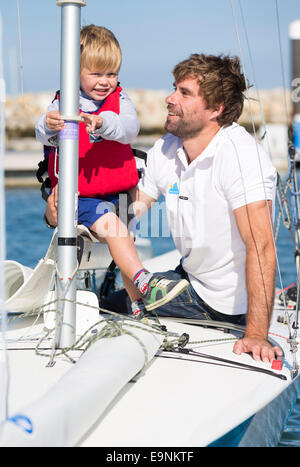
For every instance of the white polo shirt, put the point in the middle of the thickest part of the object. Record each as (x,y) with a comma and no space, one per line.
(200,197)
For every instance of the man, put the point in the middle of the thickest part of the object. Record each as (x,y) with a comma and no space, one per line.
(219,186)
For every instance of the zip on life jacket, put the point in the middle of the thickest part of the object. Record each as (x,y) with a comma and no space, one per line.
(105,167)
(126,174)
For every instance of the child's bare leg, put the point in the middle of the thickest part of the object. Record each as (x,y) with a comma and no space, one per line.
(131,289)
(121,247)
(155,292)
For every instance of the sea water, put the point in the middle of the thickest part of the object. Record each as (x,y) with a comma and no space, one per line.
(28,238)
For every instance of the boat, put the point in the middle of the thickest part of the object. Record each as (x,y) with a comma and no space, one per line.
(73,374)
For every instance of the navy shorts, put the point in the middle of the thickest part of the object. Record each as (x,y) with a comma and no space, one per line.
(91,209)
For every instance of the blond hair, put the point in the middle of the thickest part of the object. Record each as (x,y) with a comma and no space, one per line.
(220,82)
(99,49)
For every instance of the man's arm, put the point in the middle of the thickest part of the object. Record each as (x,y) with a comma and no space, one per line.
(254,222)
(141,202)
(52,206)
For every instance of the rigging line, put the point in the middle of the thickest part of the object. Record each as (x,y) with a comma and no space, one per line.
(260,166)
(60,311)
(226,363)
(283,202)
(295,192)
(281,62)
(128,321)
(250,107)
(260,104)
(4,360)
(20,48)
(269,310)
(220,359)
(296,322)
(266,136)
(290,142)
(254,78)
(111,328)
(286,107)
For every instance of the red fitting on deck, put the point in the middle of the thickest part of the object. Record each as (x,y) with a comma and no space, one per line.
(277,364)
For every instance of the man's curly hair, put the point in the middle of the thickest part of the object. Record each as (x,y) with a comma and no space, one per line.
(221,82)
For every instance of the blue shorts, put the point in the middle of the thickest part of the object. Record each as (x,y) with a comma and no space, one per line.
(91,209)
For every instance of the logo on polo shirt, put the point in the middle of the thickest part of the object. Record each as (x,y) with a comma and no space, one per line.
(174,190)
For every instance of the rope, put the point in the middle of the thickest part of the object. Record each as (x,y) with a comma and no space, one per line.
(222,362)
(4,363)
(294,199)
(173,342)
(113,326)
(292,181)
(257,151)
(20,48)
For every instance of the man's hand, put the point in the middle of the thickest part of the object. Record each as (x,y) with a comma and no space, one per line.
(92,122)
(52,206)
(260,349)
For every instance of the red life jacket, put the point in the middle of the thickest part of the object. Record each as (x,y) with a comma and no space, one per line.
(105,167)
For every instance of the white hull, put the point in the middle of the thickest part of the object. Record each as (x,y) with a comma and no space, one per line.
(174,402)
(180,403)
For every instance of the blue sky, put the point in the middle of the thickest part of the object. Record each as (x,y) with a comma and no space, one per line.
(154,36)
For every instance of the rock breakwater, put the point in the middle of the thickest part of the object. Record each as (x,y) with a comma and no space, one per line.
(21,112)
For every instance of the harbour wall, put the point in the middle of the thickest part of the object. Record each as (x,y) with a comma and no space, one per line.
(264,109)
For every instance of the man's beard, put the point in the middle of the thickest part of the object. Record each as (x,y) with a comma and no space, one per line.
(183,129)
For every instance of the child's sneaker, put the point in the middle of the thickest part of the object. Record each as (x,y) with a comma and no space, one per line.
(161,290)
(138,309)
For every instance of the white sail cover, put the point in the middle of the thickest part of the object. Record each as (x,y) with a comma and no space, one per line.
(73,405)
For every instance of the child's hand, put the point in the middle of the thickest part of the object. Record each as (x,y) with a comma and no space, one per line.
(91,121)
(54,121)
